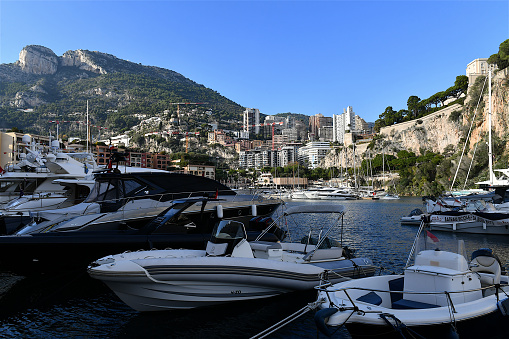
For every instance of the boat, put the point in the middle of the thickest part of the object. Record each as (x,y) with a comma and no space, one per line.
(337,194)
(35,173)
(476,212)
(441,295)
(231,268)
(113,216)
(324,193)
(390,196)
(414,218)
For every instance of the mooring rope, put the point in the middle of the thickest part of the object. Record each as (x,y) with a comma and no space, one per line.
(287,320)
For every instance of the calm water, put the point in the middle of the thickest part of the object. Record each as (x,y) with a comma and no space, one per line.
(79,307)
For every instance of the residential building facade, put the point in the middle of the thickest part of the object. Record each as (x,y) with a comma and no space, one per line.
(312,154)
(251,120)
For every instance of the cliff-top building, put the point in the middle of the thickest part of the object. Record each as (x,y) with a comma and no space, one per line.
(478,67)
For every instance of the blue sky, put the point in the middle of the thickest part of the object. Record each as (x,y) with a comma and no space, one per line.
(278,56)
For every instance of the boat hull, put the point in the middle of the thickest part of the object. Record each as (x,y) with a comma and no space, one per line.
(469,328)
(192,279)
(474,227)
(476,318)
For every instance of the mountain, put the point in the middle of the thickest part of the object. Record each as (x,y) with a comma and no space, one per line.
(59,87)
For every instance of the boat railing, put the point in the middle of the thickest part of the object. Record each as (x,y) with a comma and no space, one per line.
(327,287)
(11,167)
(162,197)
(42,197)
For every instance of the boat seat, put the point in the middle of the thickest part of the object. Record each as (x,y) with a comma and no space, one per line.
(371,298)
(396,285)
(296,247)
(404,304)
(489,265)
(215,250)
(266,249)
(264,245)
(326,253)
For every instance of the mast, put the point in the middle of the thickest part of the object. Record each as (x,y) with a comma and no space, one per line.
(87,127)
(490,155)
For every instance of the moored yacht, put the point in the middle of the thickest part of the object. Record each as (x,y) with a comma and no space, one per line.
(441,295)
(231,268)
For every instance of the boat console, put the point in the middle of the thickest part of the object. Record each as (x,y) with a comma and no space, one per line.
(225,236)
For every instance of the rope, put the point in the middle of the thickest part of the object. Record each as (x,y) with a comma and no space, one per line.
(468,135)
(399,326)
(287,320)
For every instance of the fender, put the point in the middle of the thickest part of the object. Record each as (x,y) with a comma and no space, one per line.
(320,320)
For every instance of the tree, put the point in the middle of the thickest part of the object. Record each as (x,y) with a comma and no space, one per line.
(413,105)
(501,59)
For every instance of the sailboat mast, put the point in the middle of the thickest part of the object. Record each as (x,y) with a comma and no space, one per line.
(490,154)
(87,126)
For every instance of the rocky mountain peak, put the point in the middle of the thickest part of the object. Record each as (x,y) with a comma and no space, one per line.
(36,59)
(83,60)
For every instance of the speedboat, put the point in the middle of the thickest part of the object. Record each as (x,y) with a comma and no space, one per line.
(231,268)
(389,196)
(186,223)
(441,295)
(414,218)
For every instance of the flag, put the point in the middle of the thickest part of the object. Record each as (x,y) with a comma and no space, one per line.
(431,238)
(217,194)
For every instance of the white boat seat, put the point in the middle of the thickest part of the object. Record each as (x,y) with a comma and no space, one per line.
(266,249)
(264,245)
(216,249)
(326,253)
(297,247)
(487,264)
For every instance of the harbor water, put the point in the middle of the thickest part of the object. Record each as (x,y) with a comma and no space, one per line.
(76,306)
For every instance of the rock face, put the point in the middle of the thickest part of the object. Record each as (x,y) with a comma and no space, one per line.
(433,132)
(42,60)
(81,59)
(38,60)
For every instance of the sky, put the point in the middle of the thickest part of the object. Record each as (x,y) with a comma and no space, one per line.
(303,57)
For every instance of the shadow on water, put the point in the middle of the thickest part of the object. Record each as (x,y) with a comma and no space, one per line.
(63,306)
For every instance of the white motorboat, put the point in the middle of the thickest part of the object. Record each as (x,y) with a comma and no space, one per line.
(337,194)
(230,269)
(440,296)
(389,196)
(35,173)
(414,218)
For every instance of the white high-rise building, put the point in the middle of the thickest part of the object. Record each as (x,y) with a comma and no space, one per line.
(311,154)
(251,120)
(343,123)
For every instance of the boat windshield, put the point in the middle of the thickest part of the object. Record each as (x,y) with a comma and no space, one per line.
(229,229)
(429,241)
(103,191)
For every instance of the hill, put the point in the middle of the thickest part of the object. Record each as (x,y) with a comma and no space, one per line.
(42,86)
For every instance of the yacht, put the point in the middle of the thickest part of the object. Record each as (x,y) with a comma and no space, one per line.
(232,268)
(116,217)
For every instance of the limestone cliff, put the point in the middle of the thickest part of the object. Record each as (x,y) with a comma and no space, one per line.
(448,126)
(37,60)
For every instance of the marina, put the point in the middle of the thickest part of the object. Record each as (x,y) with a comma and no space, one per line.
(82,307)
